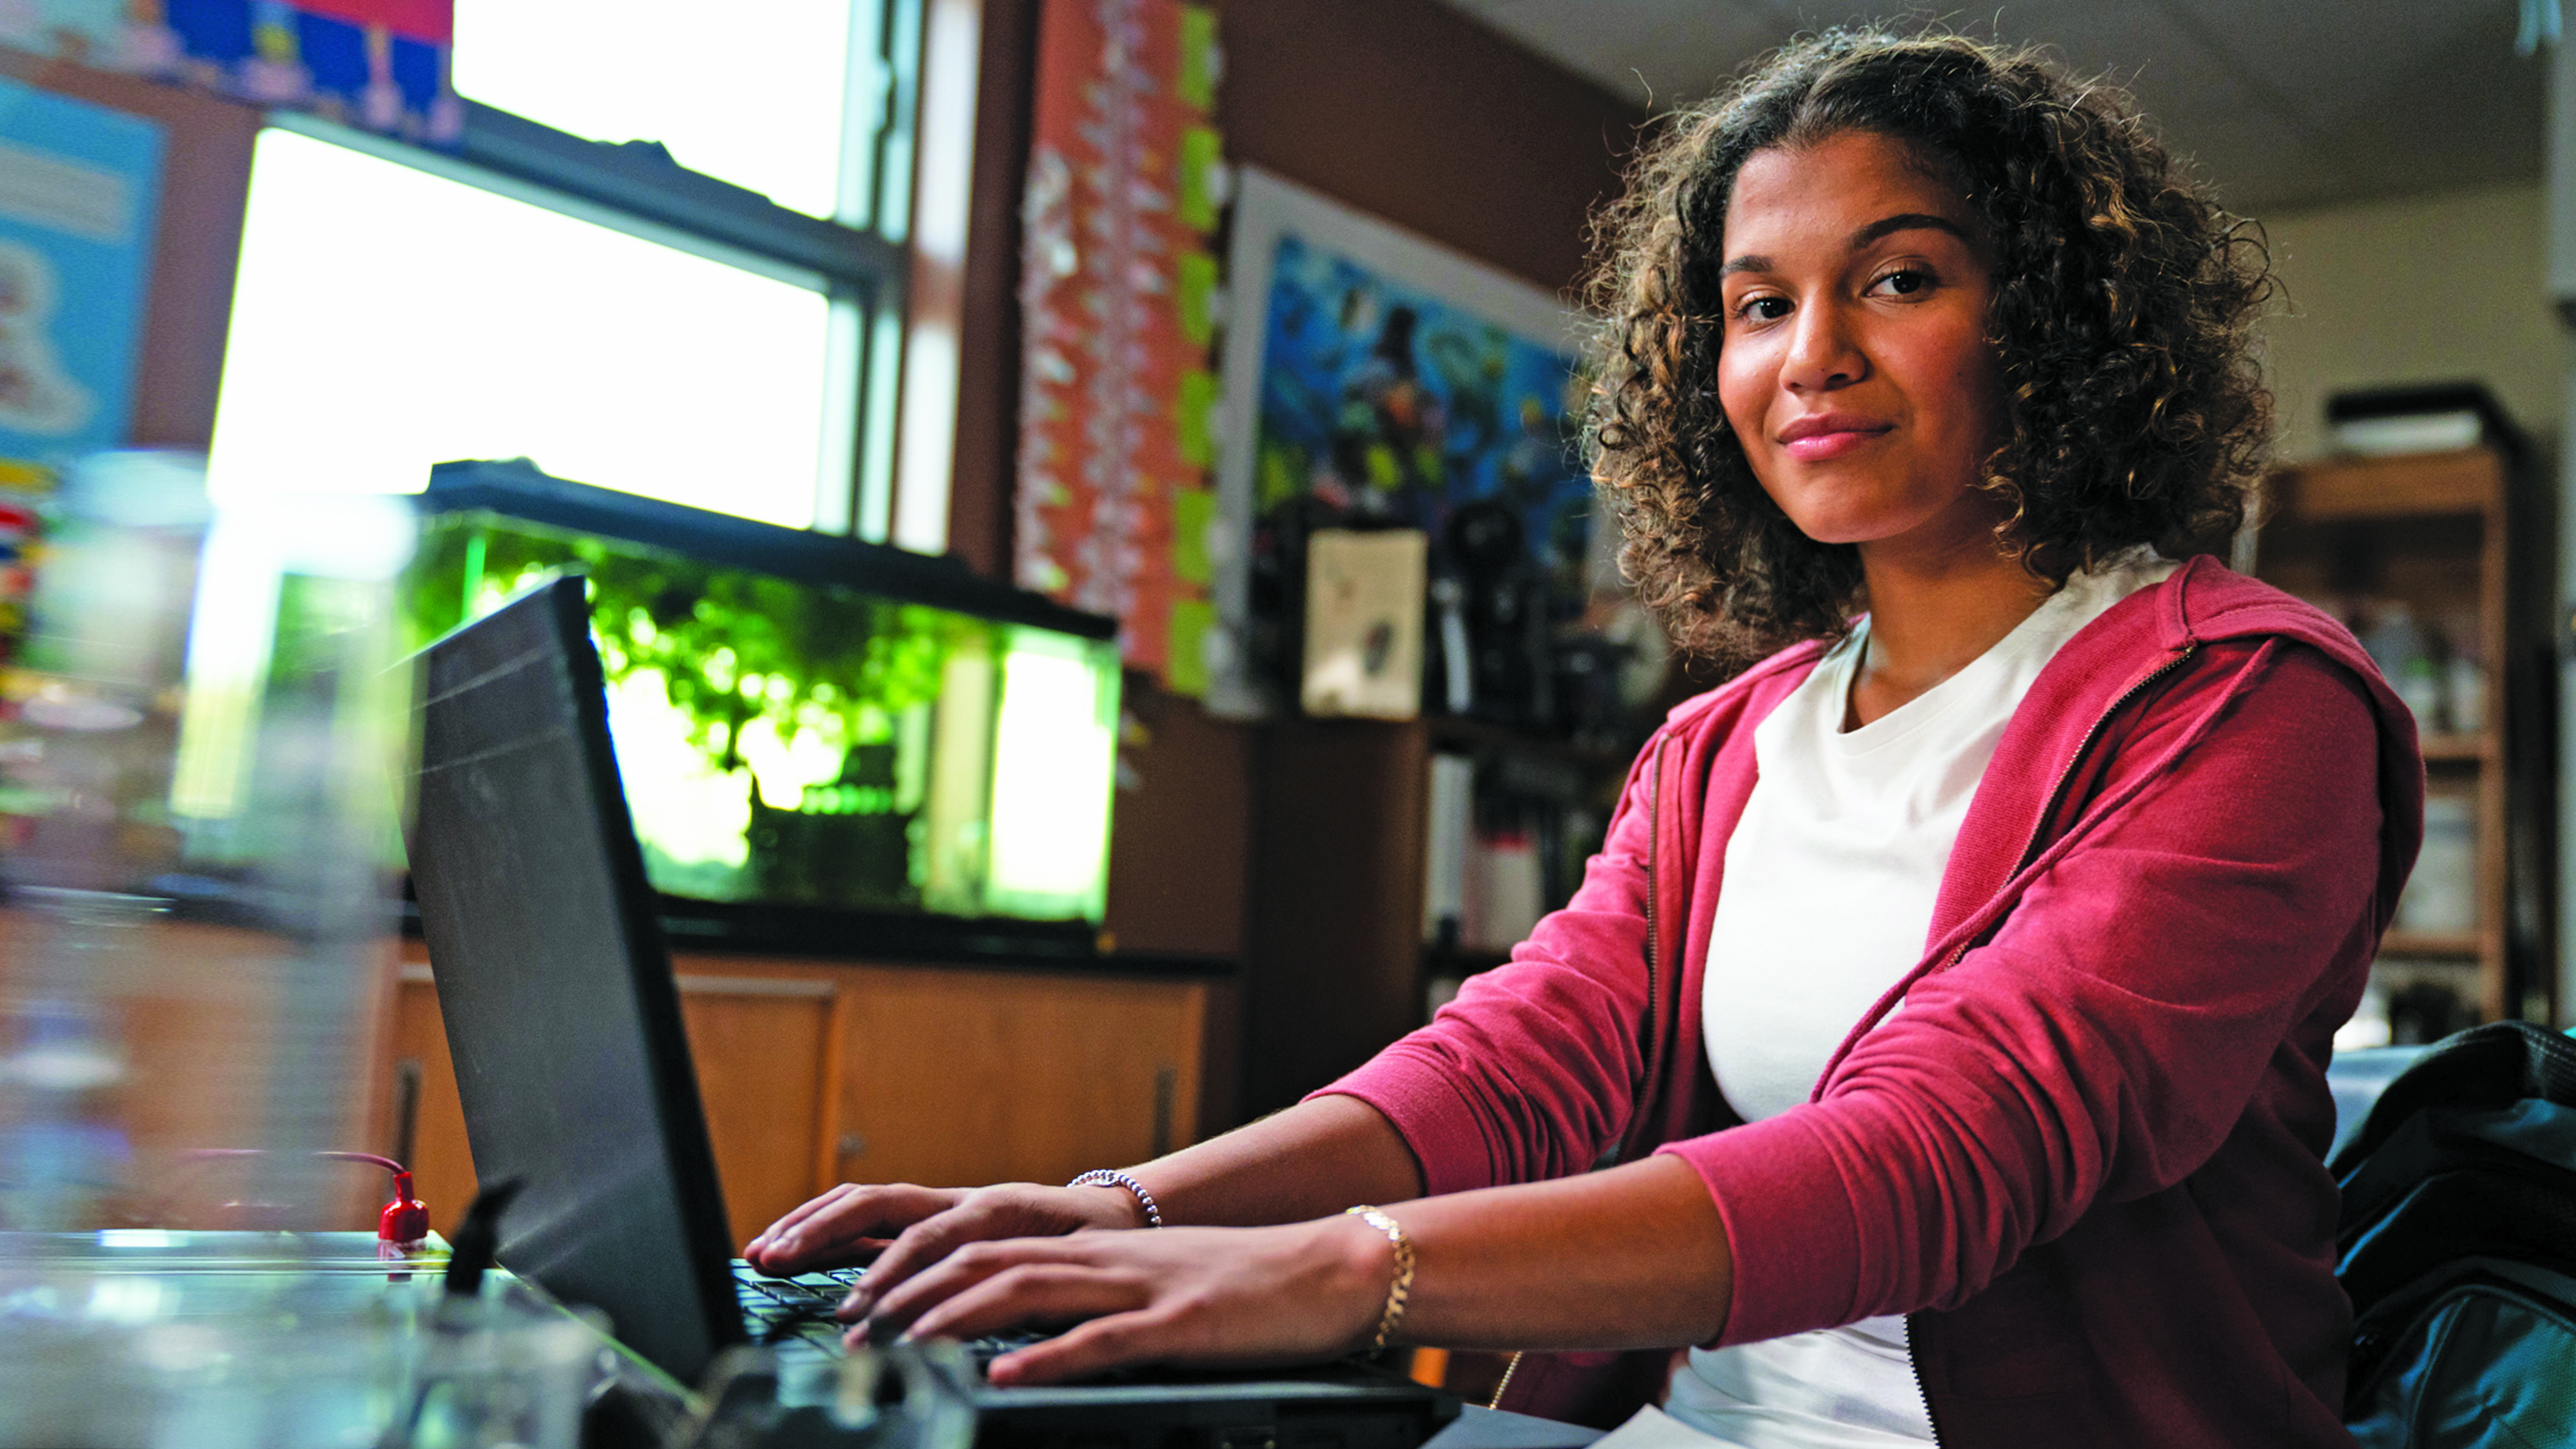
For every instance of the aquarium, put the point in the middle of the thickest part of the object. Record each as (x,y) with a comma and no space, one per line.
(809,727)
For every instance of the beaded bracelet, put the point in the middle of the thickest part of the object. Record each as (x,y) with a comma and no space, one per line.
(1401,1287)
(1103,1177)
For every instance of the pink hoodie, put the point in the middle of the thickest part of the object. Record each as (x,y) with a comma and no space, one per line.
(2086,1157)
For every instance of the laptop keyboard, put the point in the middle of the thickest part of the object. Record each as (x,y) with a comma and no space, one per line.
(778,1310)
(799,1310)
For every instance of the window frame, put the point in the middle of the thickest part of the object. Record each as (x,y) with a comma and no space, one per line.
(639,188)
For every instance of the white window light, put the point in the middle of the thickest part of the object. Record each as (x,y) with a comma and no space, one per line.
(388,317)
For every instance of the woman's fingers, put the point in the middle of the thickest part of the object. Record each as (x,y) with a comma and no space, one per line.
(893,1304)
(1032,1292)
(1087,1349)
(1190,1295)
(1012,1210)
(841,1226)
(930,1244)
(788,1224)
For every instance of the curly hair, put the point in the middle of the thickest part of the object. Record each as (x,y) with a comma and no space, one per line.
(2123,311)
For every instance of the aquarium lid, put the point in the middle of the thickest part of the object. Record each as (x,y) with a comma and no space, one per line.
(517,489)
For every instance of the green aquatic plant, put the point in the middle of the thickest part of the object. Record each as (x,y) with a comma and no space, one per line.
(729,646)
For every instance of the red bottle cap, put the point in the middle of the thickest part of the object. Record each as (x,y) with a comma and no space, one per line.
(405,1220)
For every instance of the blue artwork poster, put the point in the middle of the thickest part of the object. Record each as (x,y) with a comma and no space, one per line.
(78,188)
(1383,403)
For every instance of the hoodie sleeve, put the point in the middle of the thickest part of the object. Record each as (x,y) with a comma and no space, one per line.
(2108,1035)
(1530,1074)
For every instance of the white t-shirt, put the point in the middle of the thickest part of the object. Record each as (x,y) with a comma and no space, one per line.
(1827,899)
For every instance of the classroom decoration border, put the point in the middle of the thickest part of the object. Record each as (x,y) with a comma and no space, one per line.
(1119,295)
(381,65)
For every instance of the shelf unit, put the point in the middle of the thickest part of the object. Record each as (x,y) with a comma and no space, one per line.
(1336,965)
(2437,532)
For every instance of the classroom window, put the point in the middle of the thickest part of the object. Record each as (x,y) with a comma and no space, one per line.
(713,316)
(801,104)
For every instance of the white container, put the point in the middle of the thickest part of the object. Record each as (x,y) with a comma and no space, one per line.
(2466,691)
(2442,895)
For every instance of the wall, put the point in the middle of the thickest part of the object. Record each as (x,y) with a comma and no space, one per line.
(2425,289)
(1410,110)
(1404,108)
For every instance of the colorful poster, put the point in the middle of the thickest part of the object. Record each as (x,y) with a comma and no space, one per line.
(78,189)
(1387,403)
(1118,293)
(377,64)
(1379,380)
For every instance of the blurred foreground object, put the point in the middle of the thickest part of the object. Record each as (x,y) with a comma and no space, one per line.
(282,1341)
(197,756)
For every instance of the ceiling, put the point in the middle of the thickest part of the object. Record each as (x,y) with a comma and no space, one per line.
(2284,103)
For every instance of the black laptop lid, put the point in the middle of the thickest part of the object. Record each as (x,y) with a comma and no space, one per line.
(556,987)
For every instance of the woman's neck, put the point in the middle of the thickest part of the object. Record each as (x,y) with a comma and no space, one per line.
(1931,614)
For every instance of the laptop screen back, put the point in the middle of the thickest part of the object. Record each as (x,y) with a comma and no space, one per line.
(561,1013)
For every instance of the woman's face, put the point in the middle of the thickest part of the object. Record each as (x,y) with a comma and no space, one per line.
(1855,367)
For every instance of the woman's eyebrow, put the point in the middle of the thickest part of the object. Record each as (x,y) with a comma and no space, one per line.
(1886,226)
(1906,221)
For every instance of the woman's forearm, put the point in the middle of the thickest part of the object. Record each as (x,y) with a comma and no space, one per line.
(1634,1257)
(1630,1257)
(1310,1161)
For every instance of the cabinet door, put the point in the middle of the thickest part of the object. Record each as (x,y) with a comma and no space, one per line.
(762,1050)
(961,1077)
(442,1166)
(813,1074)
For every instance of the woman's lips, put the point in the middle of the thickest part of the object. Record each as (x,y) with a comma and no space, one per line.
(1816,447)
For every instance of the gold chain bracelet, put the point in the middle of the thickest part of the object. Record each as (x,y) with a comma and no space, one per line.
(1401,1288)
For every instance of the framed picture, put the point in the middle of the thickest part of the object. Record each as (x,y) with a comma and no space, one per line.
(1375,379)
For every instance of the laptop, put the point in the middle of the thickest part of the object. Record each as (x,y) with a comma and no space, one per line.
(564,1024)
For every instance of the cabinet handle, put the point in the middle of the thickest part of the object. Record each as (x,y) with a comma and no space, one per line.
(852,1144)
(406,1122)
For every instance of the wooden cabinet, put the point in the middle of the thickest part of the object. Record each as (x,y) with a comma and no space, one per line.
(2429,543)
(813,1073)
(193,1019)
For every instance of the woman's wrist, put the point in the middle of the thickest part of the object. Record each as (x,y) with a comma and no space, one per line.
(1399,1287)
(1123,1201)
(1365,1268)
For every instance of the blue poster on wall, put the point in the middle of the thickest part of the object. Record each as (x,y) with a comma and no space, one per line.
(78,188)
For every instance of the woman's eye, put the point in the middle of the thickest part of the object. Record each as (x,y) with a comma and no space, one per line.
(1762,309)
(1902,284)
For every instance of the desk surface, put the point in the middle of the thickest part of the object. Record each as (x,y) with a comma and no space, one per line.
(1477,1427)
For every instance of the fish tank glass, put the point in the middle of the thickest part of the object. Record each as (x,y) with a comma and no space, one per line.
(809,727)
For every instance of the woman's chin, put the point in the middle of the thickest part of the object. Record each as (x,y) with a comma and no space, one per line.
(1851,528)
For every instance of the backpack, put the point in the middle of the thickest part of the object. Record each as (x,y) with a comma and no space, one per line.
(2457,1246)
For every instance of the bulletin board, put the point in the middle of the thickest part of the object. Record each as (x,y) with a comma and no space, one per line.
(78,188)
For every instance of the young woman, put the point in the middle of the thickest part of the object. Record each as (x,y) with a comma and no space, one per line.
(1953,994)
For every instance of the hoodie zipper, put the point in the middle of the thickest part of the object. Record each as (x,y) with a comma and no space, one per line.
(1654,965)
(1916,1366)
(2057,789)
(2084,746)
(2030,848)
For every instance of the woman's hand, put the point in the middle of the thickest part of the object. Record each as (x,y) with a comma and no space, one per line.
(1179,1295)
(907,1228)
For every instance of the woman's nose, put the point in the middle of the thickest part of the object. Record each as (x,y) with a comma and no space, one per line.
(1823,352)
